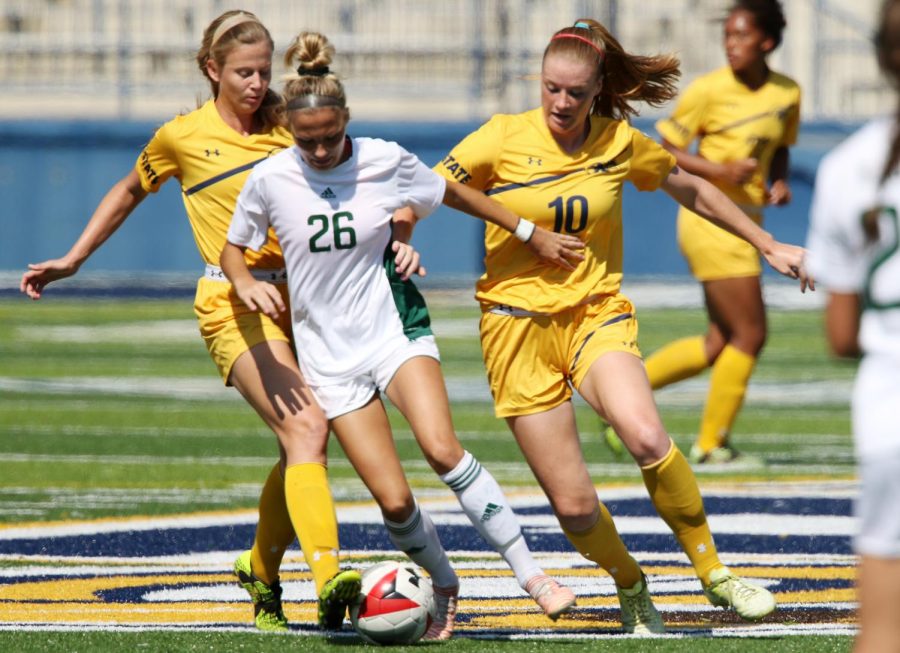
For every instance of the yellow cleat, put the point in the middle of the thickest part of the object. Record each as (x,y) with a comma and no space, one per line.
(751,602)
(267,612)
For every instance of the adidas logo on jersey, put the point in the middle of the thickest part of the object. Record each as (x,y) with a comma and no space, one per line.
(327,194)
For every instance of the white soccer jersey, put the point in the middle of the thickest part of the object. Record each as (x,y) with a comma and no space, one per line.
(844,259)
(334,226)
(841,257)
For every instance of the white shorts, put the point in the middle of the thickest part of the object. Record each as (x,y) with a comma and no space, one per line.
(350,393)
(876,396)
(876,433)
(876,507)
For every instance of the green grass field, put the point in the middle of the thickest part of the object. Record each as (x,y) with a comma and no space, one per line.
(112,408)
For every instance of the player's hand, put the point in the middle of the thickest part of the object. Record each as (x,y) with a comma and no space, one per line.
(737,173)
(407,260)
(40,274)
(790,261)
(779,193)
(263,297)
(563,250)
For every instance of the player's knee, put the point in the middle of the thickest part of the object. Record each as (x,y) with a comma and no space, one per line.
(750,339)
(577,514)
(442,453)
(305,435)
(647,442)
(396,506)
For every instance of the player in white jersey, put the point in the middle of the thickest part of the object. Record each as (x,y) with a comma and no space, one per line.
(334,226)
(360,325)
(854,251)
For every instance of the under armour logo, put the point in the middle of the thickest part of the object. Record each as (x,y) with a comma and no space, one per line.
(535,162)
(209,153)
(701,548)
(277,275)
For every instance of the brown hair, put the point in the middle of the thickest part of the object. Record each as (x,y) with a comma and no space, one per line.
(627,78)
(270,113)
(883,46)
(311,54)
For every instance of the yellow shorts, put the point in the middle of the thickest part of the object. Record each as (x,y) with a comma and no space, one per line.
(713,253)
(229,328)
(532,362)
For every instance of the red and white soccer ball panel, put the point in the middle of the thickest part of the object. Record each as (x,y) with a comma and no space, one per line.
(395,606)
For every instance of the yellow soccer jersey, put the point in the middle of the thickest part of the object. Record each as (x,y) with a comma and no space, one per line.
(515,161)
(734,122)
(212,161)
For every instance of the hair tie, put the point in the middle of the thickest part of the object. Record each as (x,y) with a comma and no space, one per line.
(229,23)
(582,25)
(566,35)
(321,71)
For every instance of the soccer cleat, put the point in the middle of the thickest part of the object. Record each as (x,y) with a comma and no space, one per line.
(554,599)
(751,602)
(612,440)
(267,612)
(723,454)
(445,602)
(338,592)
(639,615)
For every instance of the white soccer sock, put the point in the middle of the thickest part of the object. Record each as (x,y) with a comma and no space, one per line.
(417,538)
(486,506)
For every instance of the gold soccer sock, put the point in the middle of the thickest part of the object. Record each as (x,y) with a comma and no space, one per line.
(676,361)
(674,491)
(727,388)
(274,532)
(312,513)
(602,544)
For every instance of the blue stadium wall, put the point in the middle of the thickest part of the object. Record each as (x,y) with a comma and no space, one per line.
(53,174)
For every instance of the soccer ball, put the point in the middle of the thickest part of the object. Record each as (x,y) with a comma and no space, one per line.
(395,604)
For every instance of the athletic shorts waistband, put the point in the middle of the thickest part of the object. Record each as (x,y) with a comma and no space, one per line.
(215,273)
(514,311)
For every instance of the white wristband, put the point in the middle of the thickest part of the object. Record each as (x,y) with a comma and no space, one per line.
(524,230)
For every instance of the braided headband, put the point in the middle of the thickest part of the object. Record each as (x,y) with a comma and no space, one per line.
(313,101)
(566,35)
(230,22)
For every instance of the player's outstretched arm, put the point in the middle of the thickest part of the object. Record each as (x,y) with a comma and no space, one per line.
(701,197)
(563,250)
(257,295)
(116,205)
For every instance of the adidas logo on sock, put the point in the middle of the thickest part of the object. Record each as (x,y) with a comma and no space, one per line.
(490,511)
(327,194)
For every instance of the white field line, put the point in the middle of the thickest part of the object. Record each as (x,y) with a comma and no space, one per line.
(25,503)
(774,631)
(647,292)
(833,441)
(449,511)
(418,470)
(469,388)
(215,561)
